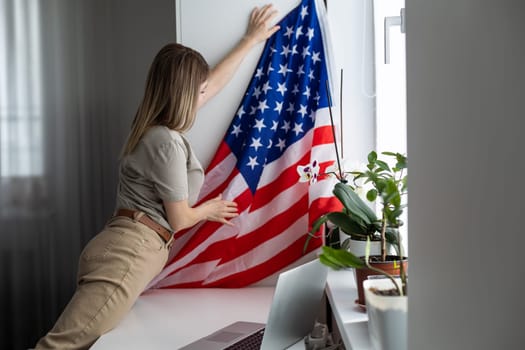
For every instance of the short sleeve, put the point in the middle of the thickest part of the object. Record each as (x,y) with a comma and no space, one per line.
(169,171)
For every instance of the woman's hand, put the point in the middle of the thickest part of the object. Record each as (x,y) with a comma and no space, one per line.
(181,215)
(259,26)
(220,210)
(258,30)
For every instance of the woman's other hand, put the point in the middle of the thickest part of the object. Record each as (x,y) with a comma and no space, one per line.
(259,28)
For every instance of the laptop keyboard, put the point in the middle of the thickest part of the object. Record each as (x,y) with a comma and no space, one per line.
(251,342)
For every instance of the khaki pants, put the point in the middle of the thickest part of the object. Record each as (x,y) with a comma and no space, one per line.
(114,268)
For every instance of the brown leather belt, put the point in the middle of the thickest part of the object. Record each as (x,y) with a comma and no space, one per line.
(146,220)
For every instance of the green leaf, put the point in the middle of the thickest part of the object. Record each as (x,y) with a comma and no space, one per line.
(346,223)
(354,203)
(389,154)
(401,161)
(372,157)
(328,261)
(317,223)
(315,227)
(371,195)
(341,258)
(382,165)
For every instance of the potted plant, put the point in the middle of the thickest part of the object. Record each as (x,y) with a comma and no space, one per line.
(386,301)
(388,185)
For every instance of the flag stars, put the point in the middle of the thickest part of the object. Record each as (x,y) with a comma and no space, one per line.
(236,130)
(299,32)
(240,112)
(286,51)
(315,57)
(294,50)
(274,126)
(306,52)
(266,87)
(289,32)
(270,68)
(257,92)
(262,106)
(259,73)
(304,12)
(284,69)
(295,89)
(307,92)
(310,33)
(281,88)
(259,124)
(253,109)
(252,163)
(281,144)
(290,108)
(286,126)
(311,75)
(278,107)
(298,128)
(302,111)
(300,70)
(256,143)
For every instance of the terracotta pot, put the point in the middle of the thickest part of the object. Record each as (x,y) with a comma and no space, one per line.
(391,266)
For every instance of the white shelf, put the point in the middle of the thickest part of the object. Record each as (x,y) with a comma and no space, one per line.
(351,320)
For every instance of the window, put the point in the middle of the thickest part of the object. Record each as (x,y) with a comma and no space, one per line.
(390,76)
(21,142)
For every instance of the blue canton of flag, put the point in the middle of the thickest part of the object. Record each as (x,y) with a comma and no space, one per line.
(288,85)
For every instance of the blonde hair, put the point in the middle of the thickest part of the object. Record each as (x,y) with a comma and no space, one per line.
(171,93)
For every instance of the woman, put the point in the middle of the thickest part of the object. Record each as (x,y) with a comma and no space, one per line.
(159,181)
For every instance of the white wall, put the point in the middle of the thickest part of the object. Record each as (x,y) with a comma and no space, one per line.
(465,74)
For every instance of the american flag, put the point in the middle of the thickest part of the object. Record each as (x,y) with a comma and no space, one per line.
(283,122)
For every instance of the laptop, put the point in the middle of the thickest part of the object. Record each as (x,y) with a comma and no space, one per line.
(293,312)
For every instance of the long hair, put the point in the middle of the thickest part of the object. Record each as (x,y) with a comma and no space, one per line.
(171,93)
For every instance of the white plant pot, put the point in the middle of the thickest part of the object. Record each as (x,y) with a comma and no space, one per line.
(387,316)
(358,248)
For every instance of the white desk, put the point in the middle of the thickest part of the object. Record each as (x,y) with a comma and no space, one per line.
(171,318)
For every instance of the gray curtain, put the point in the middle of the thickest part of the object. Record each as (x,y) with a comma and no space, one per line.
(72,73)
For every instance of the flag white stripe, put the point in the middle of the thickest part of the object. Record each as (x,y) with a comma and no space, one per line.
(217,175)
(192,273)
(278,205)
(262,253)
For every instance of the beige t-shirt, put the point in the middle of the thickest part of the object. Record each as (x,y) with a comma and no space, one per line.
(162,167)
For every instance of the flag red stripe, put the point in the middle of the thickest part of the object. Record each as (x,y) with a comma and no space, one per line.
(229,249)
(258,272)
(222,152)
(209,227)
(323,135)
